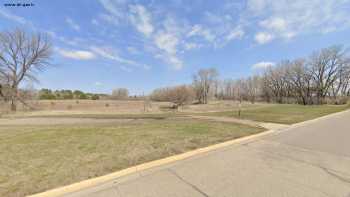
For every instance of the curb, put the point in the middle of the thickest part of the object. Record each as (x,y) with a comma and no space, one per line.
(134,169)
(105,178)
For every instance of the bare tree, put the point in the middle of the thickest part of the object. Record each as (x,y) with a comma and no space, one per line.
(300,79)
(21,56)
(179,95)
(324,67)
(203,81)
(324,76)
(120,93)
(253,88)
(275,80)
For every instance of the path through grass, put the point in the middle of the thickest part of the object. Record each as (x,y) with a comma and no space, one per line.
(36,158)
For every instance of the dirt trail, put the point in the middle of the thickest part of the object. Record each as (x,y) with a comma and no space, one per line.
(56,121)
(270,126)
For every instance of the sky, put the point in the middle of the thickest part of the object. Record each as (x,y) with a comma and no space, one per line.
(100,45)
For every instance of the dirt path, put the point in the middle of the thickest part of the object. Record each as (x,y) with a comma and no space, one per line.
(270,126)
(56,121)
(29,121)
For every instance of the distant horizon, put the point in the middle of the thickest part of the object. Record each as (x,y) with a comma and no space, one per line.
(107,44)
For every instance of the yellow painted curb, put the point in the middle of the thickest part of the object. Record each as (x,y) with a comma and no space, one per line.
(103,179)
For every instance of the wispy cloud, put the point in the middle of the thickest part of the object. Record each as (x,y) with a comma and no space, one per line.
(170,35)
(114,7)
(286,19)
(263,37)
(98,84)
(13,17)
(191,45)
(236,33)
(263,65)
(72,24)
(76,54)
(111,54)
(141,19)
(198,30)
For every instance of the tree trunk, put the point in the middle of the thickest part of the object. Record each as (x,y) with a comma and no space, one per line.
(13,105)
(14,97)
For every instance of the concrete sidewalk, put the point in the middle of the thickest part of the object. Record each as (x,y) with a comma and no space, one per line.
(311,159)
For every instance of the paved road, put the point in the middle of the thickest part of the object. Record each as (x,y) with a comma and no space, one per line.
(310,160)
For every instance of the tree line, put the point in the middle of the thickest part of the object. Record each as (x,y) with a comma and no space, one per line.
(47,94)
(322,77)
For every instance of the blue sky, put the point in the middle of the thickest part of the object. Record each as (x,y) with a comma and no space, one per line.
(142,45)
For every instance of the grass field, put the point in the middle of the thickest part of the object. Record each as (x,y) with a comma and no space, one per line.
(281,113)
(56,145)
(37,157)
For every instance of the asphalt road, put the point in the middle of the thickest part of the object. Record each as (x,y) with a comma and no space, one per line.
(308,160)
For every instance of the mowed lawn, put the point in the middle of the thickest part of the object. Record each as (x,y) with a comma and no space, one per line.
(39,157)
(281,113)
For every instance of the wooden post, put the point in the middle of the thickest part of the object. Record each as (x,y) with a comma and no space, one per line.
(144,102)
(239,109)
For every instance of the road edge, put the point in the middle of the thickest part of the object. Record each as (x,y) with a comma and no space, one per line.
(114,175)
(134,169)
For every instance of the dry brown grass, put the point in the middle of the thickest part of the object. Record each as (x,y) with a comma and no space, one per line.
(39,156)
(62,142)
(65,107)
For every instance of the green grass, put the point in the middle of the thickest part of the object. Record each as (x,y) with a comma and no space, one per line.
(37,158)
(282,113)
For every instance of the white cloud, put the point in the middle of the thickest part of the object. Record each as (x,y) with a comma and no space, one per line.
(12,17)
(171,59)
(262,65)
(103,52)
(98,84)
(275,24)
(167,42)
(256,5)
(72,24)
(191,45)
(167,34)
(76,54)
(286,19)
(114,7)
(176,62)
(263,37)
(198,30)
(111,54)
(236,33)
(141,19)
